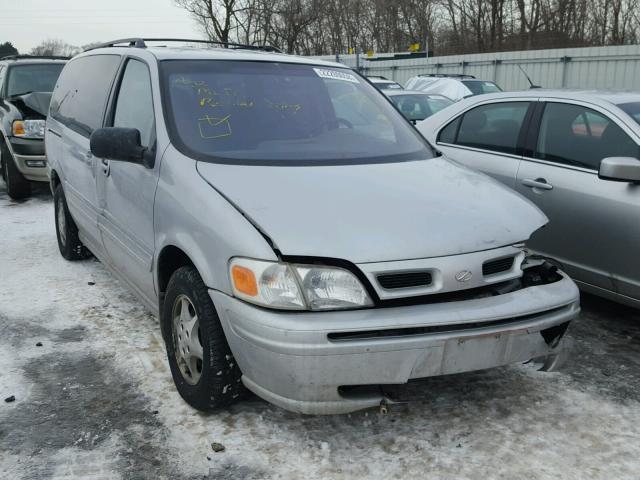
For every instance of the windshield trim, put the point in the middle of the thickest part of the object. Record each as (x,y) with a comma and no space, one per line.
(176,141)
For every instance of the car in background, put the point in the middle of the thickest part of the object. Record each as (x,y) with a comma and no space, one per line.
(453,86)
(383,83)
(293,233)
(26,83)
(417,106)
(574,154)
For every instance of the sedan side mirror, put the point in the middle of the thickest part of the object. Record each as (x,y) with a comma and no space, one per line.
(114,143)
(620,169)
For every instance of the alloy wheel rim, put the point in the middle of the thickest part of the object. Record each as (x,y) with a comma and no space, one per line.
(62,224)
(187,339)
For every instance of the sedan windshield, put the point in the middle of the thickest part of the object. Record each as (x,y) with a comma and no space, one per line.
(39,77)
(417,106)
(262,112)
(632,109)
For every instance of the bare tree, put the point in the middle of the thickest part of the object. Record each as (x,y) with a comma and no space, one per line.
(54,47)
(452,26)
(216,17)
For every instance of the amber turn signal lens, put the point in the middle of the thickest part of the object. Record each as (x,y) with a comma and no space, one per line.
(18,128)
(244,280)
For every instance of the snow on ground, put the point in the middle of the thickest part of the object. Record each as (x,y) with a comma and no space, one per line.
(96,400)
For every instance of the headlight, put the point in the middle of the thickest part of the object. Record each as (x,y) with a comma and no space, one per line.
(28,128)
(296,287)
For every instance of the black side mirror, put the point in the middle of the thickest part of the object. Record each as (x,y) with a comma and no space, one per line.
(621,169)
(115,143)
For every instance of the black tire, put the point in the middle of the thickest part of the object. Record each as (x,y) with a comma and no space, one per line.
(2,174)
(18,187)
(69,243)
(218,383)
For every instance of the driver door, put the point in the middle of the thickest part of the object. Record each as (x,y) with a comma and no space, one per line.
(126,190)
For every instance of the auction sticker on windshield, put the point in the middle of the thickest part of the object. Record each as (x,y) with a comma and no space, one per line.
(336,75)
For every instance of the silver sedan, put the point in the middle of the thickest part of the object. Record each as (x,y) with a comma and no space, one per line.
(576,156)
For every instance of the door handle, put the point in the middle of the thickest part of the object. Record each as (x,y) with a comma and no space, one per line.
(539,183)
(105,166)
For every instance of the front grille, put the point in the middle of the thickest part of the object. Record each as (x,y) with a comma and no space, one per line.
(392,281)
(497,266)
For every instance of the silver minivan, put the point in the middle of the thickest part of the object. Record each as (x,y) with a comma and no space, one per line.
(294,234)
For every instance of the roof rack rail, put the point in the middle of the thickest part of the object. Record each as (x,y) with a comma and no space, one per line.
(48,57)
(142,43)
(381,77)
(446,75)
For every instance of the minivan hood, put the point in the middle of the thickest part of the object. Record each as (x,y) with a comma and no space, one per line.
(377,212)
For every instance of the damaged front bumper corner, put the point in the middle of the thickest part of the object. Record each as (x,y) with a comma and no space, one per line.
(309,362)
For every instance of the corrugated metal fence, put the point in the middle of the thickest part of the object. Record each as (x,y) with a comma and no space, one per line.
(596,67)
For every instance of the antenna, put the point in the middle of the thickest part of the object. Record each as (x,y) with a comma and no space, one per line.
(531,84)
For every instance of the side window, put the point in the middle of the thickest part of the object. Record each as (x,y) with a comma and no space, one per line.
(134,105)
(576,135)
(2,70)
(494,126)
(82,90)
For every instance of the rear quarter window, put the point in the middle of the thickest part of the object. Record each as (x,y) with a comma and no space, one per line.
(448,133)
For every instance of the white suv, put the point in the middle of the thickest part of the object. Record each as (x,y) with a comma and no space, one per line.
(454,86)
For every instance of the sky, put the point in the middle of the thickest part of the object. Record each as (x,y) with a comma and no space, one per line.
(26,23)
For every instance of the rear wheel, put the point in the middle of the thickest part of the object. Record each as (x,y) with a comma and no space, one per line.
(18,187)
(202,365)
(69,243)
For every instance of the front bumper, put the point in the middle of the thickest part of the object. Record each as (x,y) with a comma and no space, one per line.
(30,159)
(300,361)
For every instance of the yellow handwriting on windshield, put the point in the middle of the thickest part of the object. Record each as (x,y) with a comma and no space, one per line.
(214,127)
(208,97)
(291,108)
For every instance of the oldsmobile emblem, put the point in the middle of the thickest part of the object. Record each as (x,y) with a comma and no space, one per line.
(464,276)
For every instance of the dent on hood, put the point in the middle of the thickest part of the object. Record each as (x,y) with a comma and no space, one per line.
(377,212)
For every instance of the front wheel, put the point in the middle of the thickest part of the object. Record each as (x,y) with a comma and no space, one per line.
(69,243)
(202,365)
(18,187)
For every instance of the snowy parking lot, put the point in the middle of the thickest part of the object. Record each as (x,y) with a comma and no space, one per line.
(93,397)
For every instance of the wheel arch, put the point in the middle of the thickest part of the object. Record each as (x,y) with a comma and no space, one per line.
(54,180)
(171,257)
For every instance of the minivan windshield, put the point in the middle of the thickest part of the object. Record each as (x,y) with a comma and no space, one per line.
(265,112)
(38,77)
(632,109)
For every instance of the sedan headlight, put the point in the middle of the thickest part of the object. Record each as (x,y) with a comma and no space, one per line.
(296,287)
(28,128)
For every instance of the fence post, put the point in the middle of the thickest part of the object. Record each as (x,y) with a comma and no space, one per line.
(565,61)
(496,62)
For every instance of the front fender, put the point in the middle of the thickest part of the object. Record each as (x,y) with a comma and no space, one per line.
(192,216)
